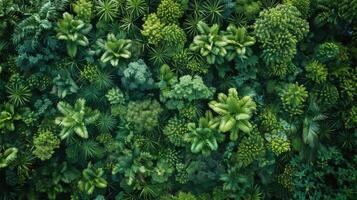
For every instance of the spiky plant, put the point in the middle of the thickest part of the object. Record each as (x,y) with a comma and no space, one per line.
(18,94)
(209,43)
(107,10)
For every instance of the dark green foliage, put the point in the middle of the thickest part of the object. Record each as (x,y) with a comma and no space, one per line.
(178,99)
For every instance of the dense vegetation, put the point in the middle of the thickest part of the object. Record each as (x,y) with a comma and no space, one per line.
(178,99)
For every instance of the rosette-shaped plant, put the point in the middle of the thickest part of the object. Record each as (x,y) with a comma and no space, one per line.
(115,49)
(143,115)
(63,85)
(8,156)
(204,137)
(75,118)
(115,96)
(293,98)
(73,31)
(316,72)
(92,178)
(8,117)
(238,42)
(234,112)
(278,30)
(45,143)
(209,43)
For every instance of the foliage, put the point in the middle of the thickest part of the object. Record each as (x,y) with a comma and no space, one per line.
(137,76)
(115,49)
(293,98)
(73,31)
(234,112)
(75,118)
(45,143)
(279,30)
(205,137)
(187,90)
(92,178)
(138,117)
(143,115)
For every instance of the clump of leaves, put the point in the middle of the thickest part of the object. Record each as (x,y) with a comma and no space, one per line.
(75,118)
(293,98)
(45,143)
(234,112)
(73,31)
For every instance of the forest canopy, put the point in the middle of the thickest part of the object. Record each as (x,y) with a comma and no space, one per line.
(178,99)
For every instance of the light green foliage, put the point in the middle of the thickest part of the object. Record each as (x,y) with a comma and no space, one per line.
(75,118)
(84,9)
(302,5)
(90,73)
(175,130)
(115,49)
(8,156)
(152,29)
(8,116)
(64,85)
(209,43)
(280,144)
(116,99)
(174,36)
(45,143)
(115,96)
(293,98)
(205,137)
(279,30)
(73,31)
(316,72)
(238,42)
(107,10)
(250,148)
(169,11)
(137,76)
(92,178)
(143,115)
(187,90)
(234,112)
